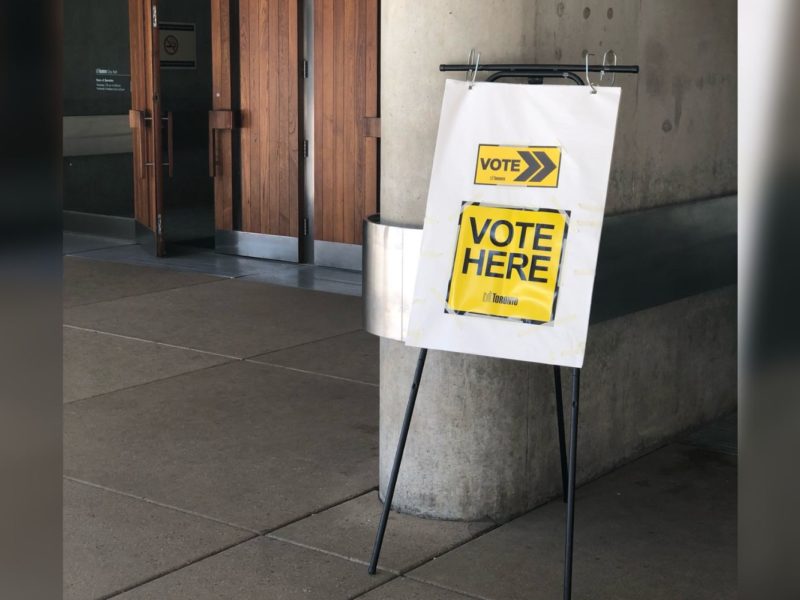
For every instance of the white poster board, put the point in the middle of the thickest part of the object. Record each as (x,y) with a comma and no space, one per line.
(513,221)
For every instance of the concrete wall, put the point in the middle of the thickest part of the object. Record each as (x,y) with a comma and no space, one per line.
(416,37)
(482,443)
(676,138)
(483,440)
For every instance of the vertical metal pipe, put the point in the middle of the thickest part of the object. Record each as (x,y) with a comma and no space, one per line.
(398,458)
(573,451)
(562,442)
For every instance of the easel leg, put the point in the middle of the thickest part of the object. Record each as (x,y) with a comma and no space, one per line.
(398,458)
(562,443)
(573,451)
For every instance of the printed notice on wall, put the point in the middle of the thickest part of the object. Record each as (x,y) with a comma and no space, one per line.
(513,221)
(111,80)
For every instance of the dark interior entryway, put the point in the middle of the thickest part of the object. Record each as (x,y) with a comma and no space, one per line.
(262,137)
(170,97)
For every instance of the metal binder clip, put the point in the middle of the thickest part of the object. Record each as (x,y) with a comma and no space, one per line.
(473,56)
(603,72)
(589,81)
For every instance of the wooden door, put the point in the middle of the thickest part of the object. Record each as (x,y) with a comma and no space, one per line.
(146,122)
(270,134)
(346,117)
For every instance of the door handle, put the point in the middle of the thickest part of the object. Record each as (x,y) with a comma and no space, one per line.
(217,119)
(136,122)
(212,151)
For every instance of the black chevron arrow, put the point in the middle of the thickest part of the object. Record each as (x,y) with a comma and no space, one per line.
(538,166)
(548,166)
(532,166)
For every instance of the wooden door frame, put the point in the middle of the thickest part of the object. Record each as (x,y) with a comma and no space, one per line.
(146,108)
(221,119)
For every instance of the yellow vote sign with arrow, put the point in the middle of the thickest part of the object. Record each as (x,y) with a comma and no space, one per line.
(529,166)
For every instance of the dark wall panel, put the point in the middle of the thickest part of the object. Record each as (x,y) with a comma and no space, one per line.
(96,37)
(99,184)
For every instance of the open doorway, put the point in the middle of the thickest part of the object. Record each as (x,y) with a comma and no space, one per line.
(185,63)
(171,89)
(276,100)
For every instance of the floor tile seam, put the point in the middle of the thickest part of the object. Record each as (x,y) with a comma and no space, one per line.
(301,344)
(144,262)
(137,385)
(256,272)
(291,271)
(430,584)
(358,291)
(164,344)
(145,383)
(351,559)
(161,291)
(333,279)
(378,584)
(263,277)
(243,276)
(80,252)
(450,548)
(339,282)
(306,372)
(230,360)
(709,448)
(167,572)
(316,511)
(441,586)
(185,511)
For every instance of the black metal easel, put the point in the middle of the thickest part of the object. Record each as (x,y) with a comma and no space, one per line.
(535,74)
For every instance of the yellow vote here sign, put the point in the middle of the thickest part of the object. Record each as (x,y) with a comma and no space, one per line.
(507,262)
(529,166)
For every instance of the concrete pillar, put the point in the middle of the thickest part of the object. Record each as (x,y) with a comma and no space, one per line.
(483,441)
(466,459)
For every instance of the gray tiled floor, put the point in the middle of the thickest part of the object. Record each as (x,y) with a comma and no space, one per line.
(112,542)
(247,444)
(263,569)
(229,317)
(75,243)
(663,527)
(195,474)
(89,281)
(408,589)
(201,260)
(351,356)
(348,530)
(97,363)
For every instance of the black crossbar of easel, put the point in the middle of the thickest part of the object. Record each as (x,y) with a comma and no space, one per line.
(569,461)
(535,73)
(558,69)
